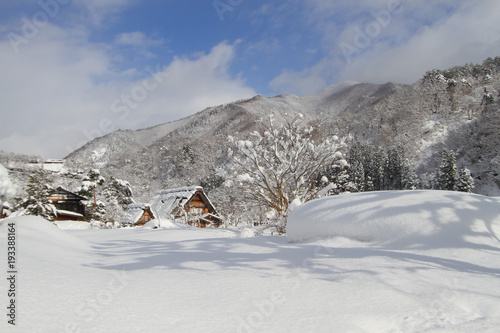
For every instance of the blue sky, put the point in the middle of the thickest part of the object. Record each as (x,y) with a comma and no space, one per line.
(75,70)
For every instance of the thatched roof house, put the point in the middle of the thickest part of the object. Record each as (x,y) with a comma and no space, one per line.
(140,213)
(189,204)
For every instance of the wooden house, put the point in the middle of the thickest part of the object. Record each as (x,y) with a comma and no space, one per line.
(188,204)
(69,205)
(140,214)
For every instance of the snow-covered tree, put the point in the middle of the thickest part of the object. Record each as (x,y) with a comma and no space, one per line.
(428,181)
(373,168)
(36,202)
(410,180)
(376,167)
(394,168)
(356,171)
(448,173)
(465,181)
(335,179)
(212,182)
(91,184)
(357,175)
(7,190)
(487,99)
(107,199)
(117,194)
(280,165)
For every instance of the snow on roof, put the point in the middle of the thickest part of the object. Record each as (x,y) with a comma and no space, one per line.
(138,205)
(135,211)
(190,189)
(68,213)
(61,189)
(165,201)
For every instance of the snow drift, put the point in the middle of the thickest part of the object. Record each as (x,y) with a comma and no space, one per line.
(160,223)
(406,218)
(45,240)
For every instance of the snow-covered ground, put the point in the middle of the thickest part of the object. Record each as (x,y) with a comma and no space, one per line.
(445,278)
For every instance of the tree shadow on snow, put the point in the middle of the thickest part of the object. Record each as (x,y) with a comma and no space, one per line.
(271,256)
(261,254)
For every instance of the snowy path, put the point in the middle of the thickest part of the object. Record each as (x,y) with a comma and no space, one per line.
(193,280)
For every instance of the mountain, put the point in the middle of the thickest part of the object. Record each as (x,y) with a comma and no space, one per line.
(444,109)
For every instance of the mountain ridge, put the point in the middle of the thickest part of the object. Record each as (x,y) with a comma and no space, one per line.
(444,109)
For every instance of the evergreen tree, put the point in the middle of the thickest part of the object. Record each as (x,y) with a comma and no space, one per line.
(91,185)
(465,181)
(369,166)
(394,168)
(410,178)
(36,203)
(212,182)
(487,100)
(448,174)
(356,168)
(335,177)
(115,195)
(377,169)
(117,192)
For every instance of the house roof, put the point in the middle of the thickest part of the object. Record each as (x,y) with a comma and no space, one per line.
(65,192)
(61,212)
(165,201)
(136,210)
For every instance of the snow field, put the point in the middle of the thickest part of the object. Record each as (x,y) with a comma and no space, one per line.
(185,279)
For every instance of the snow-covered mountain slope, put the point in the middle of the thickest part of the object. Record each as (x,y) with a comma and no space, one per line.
(445,109)
(212,280)
(237,117)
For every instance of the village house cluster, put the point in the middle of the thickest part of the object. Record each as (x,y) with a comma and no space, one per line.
(189,205)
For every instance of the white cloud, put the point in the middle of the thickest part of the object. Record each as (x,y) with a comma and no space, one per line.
(415,37)
(49,90)
(308,81)
(470,34)
(61,90)
(97,11)
(187,85)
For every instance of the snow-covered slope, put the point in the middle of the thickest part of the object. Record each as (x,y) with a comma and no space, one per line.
(214,280)
(411,219)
